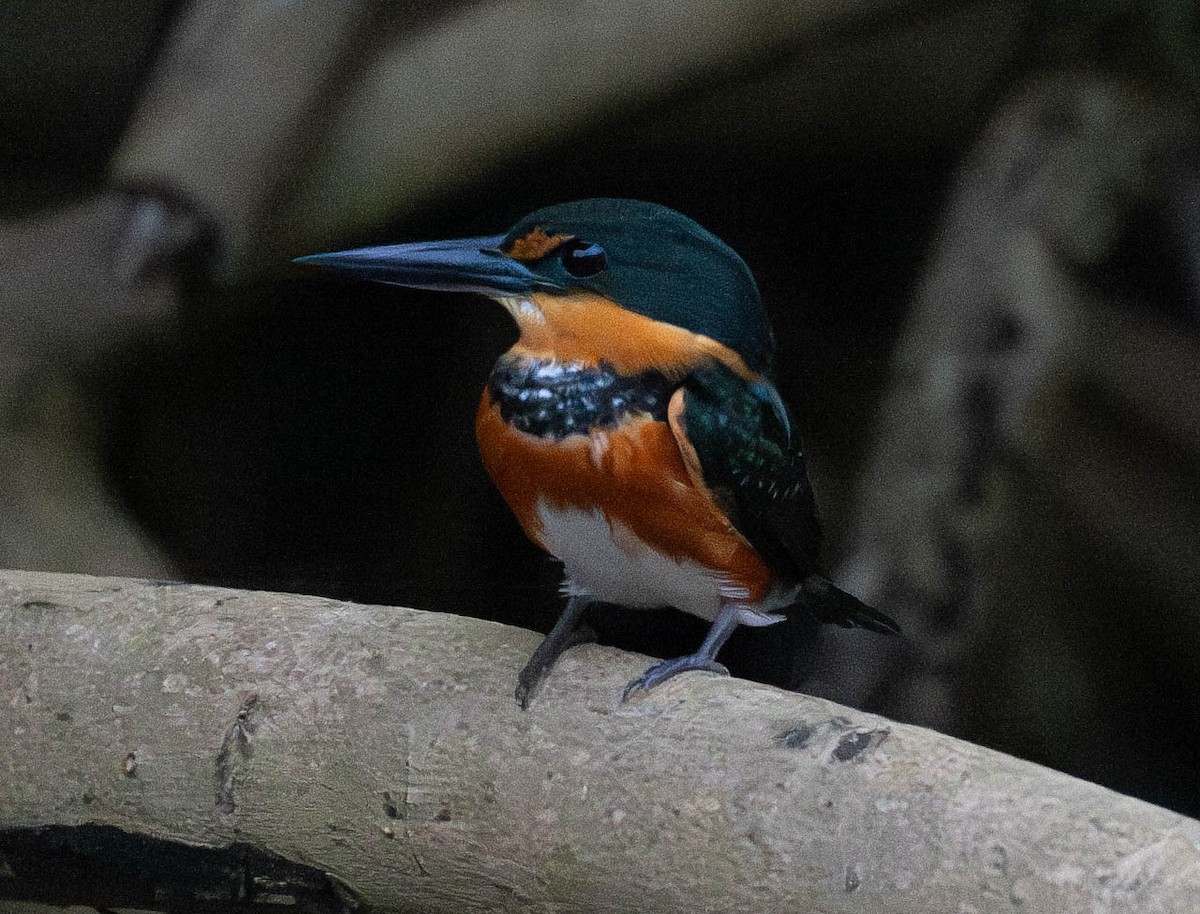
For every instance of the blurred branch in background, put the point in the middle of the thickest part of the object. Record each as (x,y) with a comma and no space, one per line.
(60,307)
(390,111)
(1033,500)
(499,80)
(63,309)
(234,104)
(1028,500)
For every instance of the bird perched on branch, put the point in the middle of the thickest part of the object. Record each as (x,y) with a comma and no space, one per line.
(633,428)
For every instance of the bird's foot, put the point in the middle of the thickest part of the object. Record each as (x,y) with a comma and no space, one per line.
(665,669)
(544,657)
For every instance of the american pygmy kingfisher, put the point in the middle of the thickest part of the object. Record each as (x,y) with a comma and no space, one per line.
(633,428)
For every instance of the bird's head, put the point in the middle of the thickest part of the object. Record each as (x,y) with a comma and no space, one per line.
(621,281)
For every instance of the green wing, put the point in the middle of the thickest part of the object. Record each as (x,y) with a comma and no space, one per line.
(736,436)
(740,440)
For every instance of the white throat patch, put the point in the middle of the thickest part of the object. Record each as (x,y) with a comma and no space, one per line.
(522,309)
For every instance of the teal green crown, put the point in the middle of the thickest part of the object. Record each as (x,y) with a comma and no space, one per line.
(660,264)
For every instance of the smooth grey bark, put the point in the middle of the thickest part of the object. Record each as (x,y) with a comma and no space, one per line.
(382,746)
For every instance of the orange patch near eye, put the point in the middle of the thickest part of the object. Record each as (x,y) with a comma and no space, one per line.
(535,245)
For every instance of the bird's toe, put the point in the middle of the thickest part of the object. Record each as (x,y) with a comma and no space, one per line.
(667,669)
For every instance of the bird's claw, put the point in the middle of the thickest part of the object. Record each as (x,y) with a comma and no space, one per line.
(543,659)
(666,669)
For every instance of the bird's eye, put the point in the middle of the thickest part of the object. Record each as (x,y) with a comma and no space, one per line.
(581,258)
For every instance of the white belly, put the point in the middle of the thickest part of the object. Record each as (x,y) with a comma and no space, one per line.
(608,562)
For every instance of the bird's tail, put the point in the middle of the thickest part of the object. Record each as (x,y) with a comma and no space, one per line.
(833,605)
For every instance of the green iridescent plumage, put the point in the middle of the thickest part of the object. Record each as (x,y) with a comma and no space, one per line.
(752,469)
(758,477)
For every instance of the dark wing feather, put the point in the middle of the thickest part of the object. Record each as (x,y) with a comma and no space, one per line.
(747,462)
(736,436)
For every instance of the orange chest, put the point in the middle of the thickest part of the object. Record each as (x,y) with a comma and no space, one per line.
(633,475)
(613,470)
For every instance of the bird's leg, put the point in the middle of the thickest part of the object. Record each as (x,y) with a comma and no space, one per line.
(567,632)
(705,657)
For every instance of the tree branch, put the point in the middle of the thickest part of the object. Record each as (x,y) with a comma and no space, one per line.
(382,746)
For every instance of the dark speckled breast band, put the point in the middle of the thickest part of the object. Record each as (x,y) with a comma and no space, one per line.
(554,400)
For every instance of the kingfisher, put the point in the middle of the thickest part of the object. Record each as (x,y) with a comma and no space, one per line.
(633,428)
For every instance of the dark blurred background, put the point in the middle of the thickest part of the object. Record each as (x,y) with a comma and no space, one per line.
(976,227)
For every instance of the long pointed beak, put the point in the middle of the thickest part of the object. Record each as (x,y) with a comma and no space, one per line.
(461,265)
